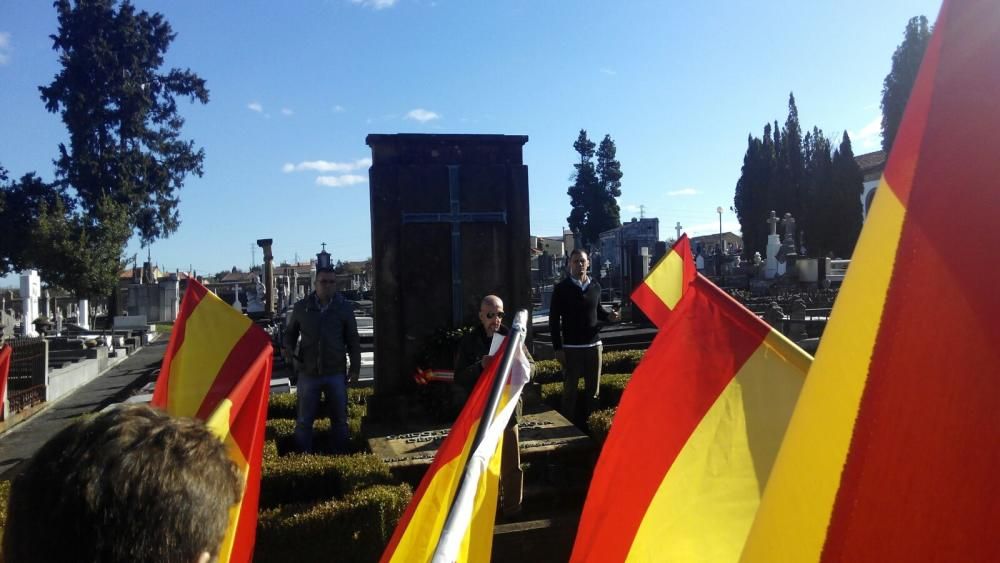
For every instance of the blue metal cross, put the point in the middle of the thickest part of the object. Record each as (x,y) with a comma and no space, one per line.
(456,217)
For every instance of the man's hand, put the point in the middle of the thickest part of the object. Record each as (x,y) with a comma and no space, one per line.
(561,358)
(353,377)
(614,316)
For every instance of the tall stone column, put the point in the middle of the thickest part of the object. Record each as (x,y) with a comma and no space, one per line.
(265,243)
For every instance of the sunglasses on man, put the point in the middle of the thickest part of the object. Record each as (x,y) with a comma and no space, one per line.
(491,315)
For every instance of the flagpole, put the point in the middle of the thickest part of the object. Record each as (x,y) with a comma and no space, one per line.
(514,339)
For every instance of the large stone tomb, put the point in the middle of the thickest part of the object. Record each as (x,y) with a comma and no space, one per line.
(450,224)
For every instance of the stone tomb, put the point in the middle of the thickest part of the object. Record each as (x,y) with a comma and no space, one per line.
(450,224)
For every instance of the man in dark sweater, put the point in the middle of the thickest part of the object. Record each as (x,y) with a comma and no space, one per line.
(575,318)
(472,357)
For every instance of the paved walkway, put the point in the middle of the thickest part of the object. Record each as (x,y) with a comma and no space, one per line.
(22,441)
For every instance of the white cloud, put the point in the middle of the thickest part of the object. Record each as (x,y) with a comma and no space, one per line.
(287,111)
(869,138)
(4,47)
(255,106)
(326,166)
(375,4)
(422,115)
(340,181)
(631,208)
(338,108)
(609,71)
(683,192)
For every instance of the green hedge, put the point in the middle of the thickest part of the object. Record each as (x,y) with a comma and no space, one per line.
(547,371)
(282,431)
(623,361)
(612,387)
(284,405)
(355,528)
(599,424)
(304,477)
(4,497)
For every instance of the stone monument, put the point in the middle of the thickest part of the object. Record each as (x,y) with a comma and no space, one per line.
(256,298)
(773,246)
(268,297)
(31,290)
(450,225)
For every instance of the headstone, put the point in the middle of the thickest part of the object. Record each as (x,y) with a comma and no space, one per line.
(449,218)
(83,314)
(31,290)
(255,298)
(59,321)
(236,299)
(7,324)
(773,246)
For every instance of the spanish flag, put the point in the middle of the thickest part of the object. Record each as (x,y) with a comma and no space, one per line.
(659,294)
(217,367)
(696,432)
(892,453)
(451,514)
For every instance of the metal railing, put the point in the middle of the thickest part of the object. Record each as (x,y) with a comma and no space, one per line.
(26,380)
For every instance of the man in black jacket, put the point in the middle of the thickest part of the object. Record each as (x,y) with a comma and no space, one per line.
(472,357)
(325,320)
(575,318)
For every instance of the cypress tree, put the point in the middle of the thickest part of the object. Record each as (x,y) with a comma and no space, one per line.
(848,184)
(899,82)
(609,175)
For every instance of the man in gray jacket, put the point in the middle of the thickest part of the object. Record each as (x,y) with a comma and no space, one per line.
(325,321)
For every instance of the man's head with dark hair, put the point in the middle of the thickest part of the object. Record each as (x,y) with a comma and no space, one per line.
(326,283)
(130,484)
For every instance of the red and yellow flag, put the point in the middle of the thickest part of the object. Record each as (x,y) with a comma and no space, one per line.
(892,453)
(659,294)
(5,354)
(217,367)
(419,531)
(695,435)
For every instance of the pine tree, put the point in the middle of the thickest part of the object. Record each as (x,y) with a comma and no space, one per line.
(899,82)
(121,113)
(581,193)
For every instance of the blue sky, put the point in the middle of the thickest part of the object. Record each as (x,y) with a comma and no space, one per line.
(296,87)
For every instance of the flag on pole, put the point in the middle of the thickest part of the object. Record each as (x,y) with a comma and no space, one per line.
(695,433)
(450,518)
(659,294)
(5,354)
(217,368)
(891,454)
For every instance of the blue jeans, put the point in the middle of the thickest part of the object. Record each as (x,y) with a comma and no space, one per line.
(309,389)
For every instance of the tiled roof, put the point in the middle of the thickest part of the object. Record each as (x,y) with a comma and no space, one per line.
(872,164)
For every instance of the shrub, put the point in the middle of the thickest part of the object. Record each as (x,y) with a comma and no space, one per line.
(309,477)
(355,528)
(282,431)
(621,361)
(612,387)
(285,405)
(599,424)
(547,371)
(4,497)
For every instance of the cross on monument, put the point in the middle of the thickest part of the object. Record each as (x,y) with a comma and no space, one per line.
(455,216)
(678,227)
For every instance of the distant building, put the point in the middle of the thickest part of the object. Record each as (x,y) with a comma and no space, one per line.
(872,165)
(705,244)
(614,242)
